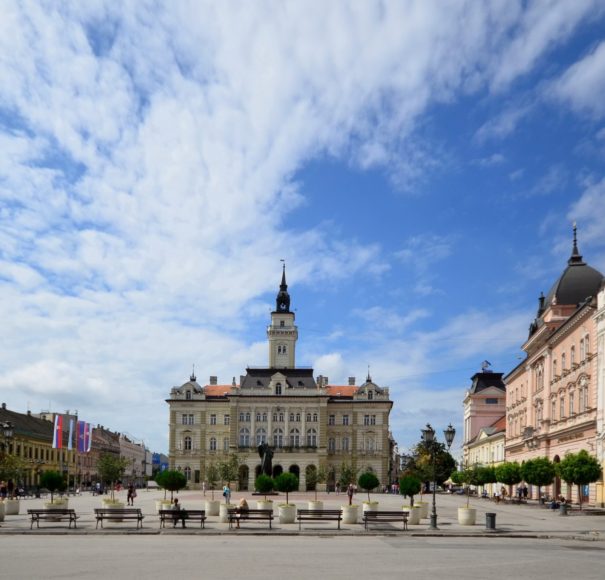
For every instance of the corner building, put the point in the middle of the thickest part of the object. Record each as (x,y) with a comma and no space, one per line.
(551,397)
(307,422)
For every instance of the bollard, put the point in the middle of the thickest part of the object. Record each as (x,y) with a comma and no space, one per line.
(490,521)
(563,509)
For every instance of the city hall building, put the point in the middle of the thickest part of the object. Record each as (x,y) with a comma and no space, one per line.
(307,422)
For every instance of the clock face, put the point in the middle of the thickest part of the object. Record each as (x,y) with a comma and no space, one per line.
(282,306)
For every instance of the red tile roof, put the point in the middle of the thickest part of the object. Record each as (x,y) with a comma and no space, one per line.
(217,390)
(343,390)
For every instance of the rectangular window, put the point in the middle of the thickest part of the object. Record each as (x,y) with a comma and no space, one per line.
(331,444)
(242,417)
(562,408)
(184,419)
(226,420)
(366,419)
(332,420)
(258,417)
(213,419)
(281,417)
(345,443)
(345,419)
(571,405)
(190,419)
(226,444)
(491,401)
(275,417)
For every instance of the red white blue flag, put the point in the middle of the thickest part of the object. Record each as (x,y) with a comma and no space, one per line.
(84,435)
(58,433)
(70,439)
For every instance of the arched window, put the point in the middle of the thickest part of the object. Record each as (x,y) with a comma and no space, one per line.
(292,417)
(247,417)
(294,437)
(314,417)
(281,417)
(278,389)
(278,438)
(582,350)
(572,356)
(212,443)
(587,345)
(264,417)
(244,437)
(563,362)
(312,438)
(571,405)
(187,442)
(370,446)
(187,472)
(261,436)
(308,417)
(298,417)
(258,417)
(554,368)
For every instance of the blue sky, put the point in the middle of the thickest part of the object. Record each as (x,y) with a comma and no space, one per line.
(417,164)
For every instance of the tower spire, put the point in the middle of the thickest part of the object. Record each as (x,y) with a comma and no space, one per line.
(282,302)
(576,257)
(193,378)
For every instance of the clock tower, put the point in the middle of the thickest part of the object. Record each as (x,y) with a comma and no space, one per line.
(282,333)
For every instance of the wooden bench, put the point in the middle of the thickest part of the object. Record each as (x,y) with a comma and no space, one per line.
(386,516)
(118,515)
(181,515)
(52,514)
(319,515)
(237,515)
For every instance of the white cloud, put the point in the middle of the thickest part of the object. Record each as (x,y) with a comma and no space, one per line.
(583,84)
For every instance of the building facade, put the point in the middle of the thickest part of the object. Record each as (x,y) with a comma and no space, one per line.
(600,330)
(307,422)
(551,397)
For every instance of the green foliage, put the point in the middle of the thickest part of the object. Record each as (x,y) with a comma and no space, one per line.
(368,481)
(212,477)
(12,467)
(229,469)
(347,474)
(486,474)
(422,463)
(579,469)
(409,485)
(172,480)
(509,473)
(111,469)
(315,476)
(53,481)
(286,482)
(264,484)
(539,471)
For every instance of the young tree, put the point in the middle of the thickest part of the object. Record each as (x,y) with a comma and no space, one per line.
(409,485)
(229,469)
(445,464)
(539,471)
(264,484)
(111,470)
(579,469)
(212,477)
(467,477)
(368,481)
(173,480)
(509,473)
(347,474)
(286,482)
(53,481)
(486,474)
(315,476)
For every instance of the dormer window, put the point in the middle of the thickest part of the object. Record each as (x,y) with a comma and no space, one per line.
(278,389)
(370,395)
(188,395)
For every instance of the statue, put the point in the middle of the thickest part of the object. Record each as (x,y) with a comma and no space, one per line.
(266,454)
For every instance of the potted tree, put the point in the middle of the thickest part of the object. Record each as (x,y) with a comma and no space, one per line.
(212,476)
(53,481)
(579,469)
(264,484)
(162,504)
(286,482)
(11,468)
(350,512)
(467,515)
(314,478)
(228,471)
(539,471)
(409,486)
(173,480)
(111,470)
(368,481)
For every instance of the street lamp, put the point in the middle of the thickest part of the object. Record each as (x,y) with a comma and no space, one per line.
(432,446)
(8,432)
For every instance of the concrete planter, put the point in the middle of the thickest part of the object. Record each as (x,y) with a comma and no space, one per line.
(213,507)
(262,504)
(223,514)
(467,516)
(11,507)
(370,506)
(315,505)
(287,513)
(414,514)
(1,511)
(162,504)
(424,508)
(57,503)
(108,504)
(350,514)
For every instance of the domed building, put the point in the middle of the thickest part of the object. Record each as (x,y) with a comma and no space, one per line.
(308,423)
(551,396)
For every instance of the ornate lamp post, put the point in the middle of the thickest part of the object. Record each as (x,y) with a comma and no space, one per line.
(428,437)
(8,432)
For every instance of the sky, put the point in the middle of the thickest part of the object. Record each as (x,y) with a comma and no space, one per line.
(418,166)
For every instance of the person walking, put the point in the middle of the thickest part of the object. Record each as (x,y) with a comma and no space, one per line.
(227,493)
(350,492)
(132,493)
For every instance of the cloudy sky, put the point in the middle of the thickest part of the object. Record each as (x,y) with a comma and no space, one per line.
(417,164)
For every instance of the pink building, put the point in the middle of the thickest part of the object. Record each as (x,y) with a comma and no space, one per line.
(551,397)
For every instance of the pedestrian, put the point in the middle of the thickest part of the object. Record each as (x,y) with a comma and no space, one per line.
(132,493)
(350,492)
(204,487)
(227,493)
(525,491)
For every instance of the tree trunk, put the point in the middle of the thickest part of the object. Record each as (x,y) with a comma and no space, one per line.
(580,496)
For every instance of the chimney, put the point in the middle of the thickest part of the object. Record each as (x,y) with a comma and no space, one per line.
(326,381)
(352,381)
(213,380)
(4,406)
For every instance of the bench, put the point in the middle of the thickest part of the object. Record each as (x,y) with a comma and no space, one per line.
(319,515)
(175,515)
(386,516)
(237,515)
(53,515)
(118,515)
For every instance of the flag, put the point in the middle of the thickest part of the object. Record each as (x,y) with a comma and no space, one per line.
(83,436)
(88,437)
(58,433)
(71,435)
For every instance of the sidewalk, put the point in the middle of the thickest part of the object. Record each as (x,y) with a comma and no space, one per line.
(511,520)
